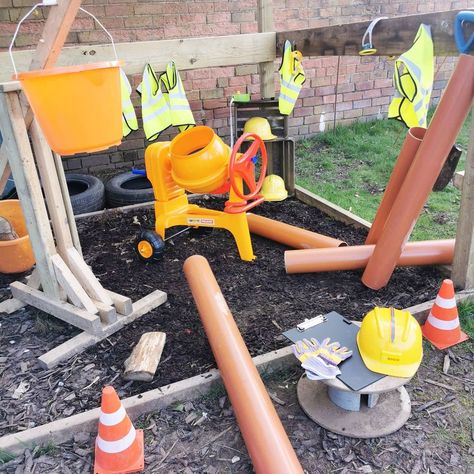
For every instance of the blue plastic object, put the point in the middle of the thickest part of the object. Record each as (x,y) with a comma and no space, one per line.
(141,172)
(463,46)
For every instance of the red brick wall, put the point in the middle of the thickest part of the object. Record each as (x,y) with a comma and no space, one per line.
(364,84)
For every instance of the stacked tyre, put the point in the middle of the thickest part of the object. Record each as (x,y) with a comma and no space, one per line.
(128,188)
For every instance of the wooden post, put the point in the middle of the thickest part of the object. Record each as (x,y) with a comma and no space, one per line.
(463,263)
(16,145)
(266,70)
(55,32)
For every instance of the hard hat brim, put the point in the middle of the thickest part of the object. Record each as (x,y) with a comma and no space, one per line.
(266,138)
(403,370)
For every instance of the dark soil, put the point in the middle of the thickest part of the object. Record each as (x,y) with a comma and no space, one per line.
(264,300)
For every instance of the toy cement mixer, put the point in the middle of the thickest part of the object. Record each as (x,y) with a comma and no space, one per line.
(198,161)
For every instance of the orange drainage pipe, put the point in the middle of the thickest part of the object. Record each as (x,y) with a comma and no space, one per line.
(430,252)
(267,442)
(421,177)
(290,235)
(405,158)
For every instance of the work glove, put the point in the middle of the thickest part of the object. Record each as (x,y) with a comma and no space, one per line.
(305,349)
(332,353)
(317,369)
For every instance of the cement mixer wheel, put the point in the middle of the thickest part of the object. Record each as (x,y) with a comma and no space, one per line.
(149,246)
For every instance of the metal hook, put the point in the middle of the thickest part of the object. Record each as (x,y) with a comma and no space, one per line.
(368,48)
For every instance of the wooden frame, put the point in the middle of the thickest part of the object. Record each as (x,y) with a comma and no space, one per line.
(63,284)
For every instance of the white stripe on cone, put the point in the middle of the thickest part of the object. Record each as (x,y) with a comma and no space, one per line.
(442,324)
(111,419)
(114,447)
(444,303)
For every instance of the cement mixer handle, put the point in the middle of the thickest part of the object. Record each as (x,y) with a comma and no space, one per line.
(243,166)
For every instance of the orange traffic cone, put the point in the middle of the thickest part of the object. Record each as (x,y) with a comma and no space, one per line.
(442,327)
(118,447)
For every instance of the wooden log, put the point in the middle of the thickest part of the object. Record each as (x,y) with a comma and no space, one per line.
(145,357)
(392,36)
(84,340)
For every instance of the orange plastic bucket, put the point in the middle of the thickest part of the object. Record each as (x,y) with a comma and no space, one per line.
(15,255)
(78,108)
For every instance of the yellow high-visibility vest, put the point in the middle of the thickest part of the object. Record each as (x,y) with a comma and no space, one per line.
(413,77)
(155,110)
(129,118)
(292,78)
(181,114)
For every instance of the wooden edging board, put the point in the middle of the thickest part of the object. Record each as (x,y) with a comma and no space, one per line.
(63,430)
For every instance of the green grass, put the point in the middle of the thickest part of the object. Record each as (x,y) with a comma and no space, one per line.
(466,316)
(351,165)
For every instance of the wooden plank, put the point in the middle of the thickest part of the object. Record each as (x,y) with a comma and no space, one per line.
(333,210)
(10,86)
(458,179)
(463,263)
(266,69)
(188,53)
(86,277)
(107,314)
(52,189)
(391,37)
(71,286)
(16,145)
(65,311)
(4,171)
(56,29)
(11,305)
(67,202)
(82,341)
(142,363)
(122,304)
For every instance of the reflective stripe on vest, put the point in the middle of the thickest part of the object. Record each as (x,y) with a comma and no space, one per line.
(181,114)
(129,118)
(413,77)
(155,110)
(292,78)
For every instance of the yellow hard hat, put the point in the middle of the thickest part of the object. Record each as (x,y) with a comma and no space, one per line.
(260,126)
(273,188)
(390,342)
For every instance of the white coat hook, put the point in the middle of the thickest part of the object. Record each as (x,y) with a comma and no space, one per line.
(368,47)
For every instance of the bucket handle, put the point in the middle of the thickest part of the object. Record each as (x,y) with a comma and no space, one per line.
(47,3)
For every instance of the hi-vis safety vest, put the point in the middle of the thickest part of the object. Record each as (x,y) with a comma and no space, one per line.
(292,78)
(129,118)
(181,114)
(155,110)
(413,77)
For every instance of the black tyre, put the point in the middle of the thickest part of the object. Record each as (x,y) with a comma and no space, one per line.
(149,246)
(128,188)
(86,193)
